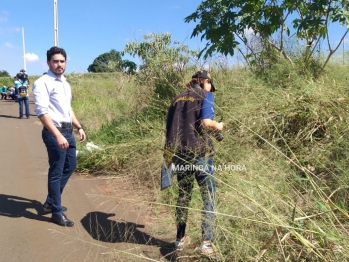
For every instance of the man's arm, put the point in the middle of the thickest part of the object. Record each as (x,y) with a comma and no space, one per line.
(76,123)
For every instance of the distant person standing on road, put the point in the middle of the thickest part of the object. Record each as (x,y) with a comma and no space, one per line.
(22,91)
(52,97)
(189,119)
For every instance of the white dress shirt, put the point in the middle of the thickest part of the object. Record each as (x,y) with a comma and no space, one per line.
(52,96)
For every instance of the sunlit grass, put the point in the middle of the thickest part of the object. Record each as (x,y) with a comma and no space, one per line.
(289,204)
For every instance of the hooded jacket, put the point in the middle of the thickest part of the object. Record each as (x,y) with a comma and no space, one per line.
(184,131)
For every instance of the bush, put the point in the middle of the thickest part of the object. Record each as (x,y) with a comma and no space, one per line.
(291,200)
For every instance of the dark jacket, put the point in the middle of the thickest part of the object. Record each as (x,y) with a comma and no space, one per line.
(184,132)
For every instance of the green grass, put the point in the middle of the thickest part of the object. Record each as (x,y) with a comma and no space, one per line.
(291,137)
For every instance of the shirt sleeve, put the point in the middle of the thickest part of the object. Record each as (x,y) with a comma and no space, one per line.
(41,97)
(207,108)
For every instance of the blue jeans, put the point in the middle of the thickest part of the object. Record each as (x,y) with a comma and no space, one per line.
(189,167)
(62,164)
(24,100)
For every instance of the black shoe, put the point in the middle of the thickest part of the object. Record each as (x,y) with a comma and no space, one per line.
(62,220)
(20,117)
(48,208)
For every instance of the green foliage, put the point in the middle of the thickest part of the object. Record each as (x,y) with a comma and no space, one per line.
(226,24)
(4,73)
(111,62)
(163,63)
(6,81)
(292,199)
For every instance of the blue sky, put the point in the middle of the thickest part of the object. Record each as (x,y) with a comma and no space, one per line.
(88,28)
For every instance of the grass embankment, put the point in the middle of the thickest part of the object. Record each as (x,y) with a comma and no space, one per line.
(286,200)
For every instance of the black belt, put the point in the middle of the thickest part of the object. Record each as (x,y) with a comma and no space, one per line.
(62,130)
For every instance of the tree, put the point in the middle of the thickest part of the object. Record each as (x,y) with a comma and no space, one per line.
(163,62)
(111,62)
(156,51)
(4,73)
(225,24)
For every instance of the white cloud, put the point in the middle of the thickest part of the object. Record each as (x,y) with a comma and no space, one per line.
(31,57)
(8,44)
(249,31)
(3,19)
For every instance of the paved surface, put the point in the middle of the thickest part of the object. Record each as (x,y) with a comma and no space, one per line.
(26,233)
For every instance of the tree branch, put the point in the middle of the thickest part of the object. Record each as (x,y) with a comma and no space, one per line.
(334,50)
(248,64)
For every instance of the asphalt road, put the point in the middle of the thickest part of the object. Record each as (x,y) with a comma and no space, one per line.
(26,233)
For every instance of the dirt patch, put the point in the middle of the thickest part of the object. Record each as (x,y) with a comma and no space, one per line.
(129,216)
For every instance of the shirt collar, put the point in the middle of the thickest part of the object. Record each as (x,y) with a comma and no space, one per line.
(49,73)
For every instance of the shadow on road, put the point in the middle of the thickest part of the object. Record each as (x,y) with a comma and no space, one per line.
(5,116)
(103,229)
(14,206)
(9,100)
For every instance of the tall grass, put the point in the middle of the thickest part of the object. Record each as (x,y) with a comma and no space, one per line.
(288,204)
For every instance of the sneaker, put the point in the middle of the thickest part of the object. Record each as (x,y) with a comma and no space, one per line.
(180,244)
(208,249)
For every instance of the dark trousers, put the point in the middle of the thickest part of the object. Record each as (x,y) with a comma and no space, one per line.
(62,164)
(189,168)
(25,101)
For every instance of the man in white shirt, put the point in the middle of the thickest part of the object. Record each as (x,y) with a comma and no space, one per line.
(52,97)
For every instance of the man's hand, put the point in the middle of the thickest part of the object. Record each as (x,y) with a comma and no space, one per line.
(82,135)
(62,142)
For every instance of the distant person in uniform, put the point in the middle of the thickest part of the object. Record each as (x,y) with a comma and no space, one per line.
(4,92)
(52,97)
(189,122)
(22,93)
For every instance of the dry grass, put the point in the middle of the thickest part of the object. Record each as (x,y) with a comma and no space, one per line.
(289,204)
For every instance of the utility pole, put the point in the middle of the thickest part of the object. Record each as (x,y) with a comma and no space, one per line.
(55,21)
(23,43)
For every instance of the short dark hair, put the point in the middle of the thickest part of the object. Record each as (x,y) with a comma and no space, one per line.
(54,51)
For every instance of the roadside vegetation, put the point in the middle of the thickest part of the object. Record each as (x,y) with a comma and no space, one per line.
(283,181)
(283,187)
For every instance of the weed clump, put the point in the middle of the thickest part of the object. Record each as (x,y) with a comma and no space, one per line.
(289,203)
